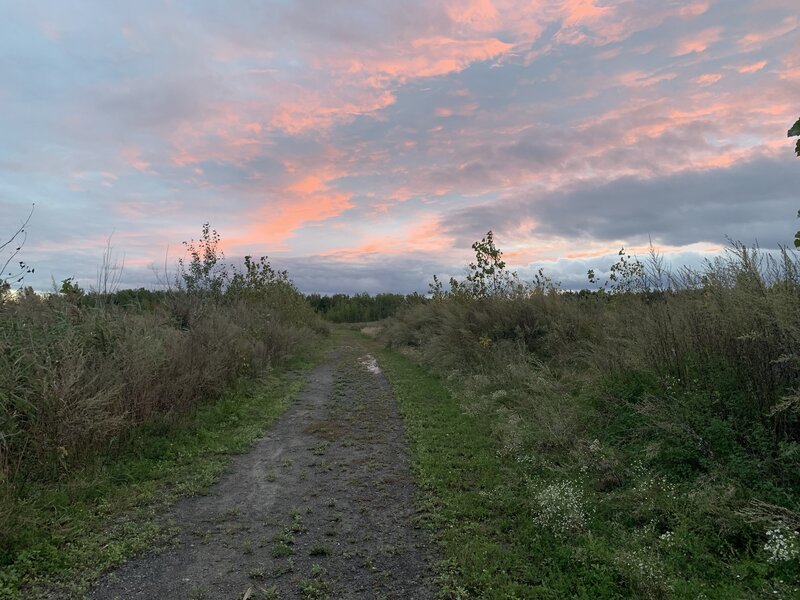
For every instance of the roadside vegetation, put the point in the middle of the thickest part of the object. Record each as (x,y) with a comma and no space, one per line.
(640,440)
(107,396)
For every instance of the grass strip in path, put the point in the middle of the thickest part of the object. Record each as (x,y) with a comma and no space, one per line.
(75,529)
(457,469)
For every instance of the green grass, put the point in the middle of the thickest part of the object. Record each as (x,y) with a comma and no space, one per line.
(484,537)
(659,513)
(71,531)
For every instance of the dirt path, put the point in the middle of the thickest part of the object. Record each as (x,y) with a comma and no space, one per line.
(323,507)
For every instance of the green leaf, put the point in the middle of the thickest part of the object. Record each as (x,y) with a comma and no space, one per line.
(795,130)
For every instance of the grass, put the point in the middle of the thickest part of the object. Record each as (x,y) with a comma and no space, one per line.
(458,470)
(108,510)
(627,507)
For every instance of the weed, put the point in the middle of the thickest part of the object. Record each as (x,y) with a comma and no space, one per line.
(313,589)
(281,549)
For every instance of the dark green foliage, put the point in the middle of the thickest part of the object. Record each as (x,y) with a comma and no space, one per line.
(360,308)
(71,290)
(797,235)
(794,132)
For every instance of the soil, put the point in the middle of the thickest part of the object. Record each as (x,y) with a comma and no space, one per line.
(322,507)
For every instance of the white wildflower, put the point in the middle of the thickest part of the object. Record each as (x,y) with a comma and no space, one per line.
(499,394)
(561,508)
(782,545)
(645,573)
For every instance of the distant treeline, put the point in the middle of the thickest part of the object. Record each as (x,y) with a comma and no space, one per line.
(342,308)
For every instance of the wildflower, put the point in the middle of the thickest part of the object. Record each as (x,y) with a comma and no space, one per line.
(499,394)
(561,508)
(782,545)
(645,573)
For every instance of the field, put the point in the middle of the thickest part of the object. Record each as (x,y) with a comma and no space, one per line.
(638,440)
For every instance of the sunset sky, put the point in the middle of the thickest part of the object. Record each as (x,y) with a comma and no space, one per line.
(364,145)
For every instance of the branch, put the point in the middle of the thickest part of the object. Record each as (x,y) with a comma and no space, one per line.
(19,232)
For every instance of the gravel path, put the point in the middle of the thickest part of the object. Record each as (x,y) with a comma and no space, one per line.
(322,507)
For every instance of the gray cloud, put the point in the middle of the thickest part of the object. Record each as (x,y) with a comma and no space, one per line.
(748,201)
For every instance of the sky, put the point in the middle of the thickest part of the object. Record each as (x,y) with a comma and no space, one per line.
(364,145)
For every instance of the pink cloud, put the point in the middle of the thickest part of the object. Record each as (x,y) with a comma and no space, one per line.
(757,66)
(708,79)
(426,57)
(274,224)
(425,237)
(640,79)
(313,110)
(581,11)
(699,42)
(756,39)
(480,15)
(133,156)
(694,10)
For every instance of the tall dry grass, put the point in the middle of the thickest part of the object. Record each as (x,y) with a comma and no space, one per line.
(77,375)
(740,312)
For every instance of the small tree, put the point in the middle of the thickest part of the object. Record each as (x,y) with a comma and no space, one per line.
(257,277)
(71,290)
(204,271)
(488,275)
(625,275)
